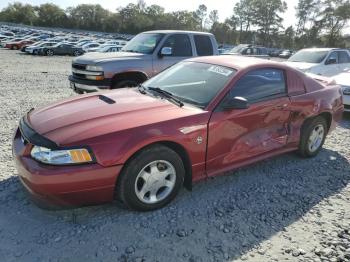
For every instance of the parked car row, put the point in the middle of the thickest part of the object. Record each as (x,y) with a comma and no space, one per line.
(37,42)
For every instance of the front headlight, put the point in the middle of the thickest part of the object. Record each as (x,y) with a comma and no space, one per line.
(61,157)
(94,68)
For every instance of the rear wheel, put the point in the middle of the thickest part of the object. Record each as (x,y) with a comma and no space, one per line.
(151,179)
(14,47)
(125,83)
(76,53)
(49,52)
(313,135)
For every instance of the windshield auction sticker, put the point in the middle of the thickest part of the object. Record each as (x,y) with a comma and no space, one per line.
(220,70)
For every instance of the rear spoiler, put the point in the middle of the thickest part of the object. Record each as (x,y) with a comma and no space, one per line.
(324,80)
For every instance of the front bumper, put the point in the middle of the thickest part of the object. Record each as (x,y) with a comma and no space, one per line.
(86,86)
(64,186)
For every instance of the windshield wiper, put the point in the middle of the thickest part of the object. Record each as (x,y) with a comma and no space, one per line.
(167,95)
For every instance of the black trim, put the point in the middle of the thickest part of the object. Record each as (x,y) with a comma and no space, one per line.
(104,82)
(29,134)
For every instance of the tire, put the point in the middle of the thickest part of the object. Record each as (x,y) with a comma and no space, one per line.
(76,53)
(311,139)
(138,194)
(14,47)
(49,52)
(124,84)
(35,52)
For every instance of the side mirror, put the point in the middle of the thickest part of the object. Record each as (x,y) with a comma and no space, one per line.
(236,103)
(166,51)
(331,61)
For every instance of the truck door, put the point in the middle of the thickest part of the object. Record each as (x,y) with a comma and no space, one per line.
(181,49)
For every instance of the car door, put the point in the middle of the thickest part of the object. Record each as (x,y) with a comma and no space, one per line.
(344,61)
(238,135)
(60,49)
(181,48)
(330,67)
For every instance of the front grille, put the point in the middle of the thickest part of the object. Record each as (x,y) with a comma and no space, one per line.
(79,66)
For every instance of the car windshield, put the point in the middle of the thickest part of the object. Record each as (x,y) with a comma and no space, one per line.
(192,82)
(308,56)
(143,43)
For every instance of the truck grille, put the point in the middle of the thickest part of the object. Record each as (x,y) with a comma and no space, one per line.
(79,66)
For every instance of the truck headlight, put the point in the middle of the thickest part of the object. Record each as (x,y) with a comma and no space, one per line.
(94,68)
(61,157)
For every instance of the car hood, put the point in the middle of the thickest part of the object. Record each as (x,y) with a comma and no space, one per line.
(302,66)
(343,78)
(95,58)
(86,116)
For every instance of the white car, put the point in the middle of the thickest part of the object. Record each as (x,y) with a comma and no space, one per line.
(321,61)
(343,80)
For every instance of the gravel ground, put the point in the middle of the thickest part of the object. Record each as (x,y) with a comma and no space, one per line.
(283,209)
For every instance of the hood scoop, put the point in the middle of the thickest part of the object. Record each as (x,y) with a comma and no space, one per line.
(106,99)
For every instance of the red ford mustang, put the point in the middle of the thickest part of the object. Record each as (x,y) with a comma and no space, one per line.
(197,119)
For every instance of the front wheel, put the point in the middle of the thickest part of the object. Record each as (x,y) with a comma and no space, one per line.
(313,135)
(14,47)
(125,83)
(151,179)
(49,52)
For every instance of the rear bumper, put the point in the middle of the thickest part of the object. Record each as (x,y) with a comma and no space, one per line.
(84,85)
(63,186)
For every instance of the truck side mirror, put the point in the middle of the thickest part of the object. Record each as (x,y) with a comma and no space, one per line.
(166,51)
(331,61)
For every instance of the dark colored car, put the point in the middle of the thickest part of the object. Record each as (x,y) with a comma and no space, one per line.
(197,119)
(249,50)
(61,49)
(286,54)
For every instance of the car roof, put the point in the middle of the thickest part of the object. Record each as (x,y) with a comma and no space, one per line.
(321,49)
(236,61)
(177,31)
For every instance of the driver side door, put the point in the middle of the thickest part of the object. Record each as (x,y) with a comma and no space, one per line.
(181,47)
(240,135)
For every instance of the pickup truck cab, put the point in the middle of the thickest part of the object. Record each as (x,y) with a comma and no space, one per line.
(144,56)
(321,61)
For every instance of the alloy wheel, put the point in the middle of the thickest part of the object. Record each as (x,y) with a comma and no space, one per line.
(316,138)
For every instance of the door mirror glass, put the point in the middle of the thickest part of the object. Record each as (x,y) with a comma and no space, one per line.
(166,51)
(331,61)
(236,103)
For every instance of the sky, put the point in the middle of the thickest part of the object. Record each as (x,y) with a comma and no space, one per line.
(224,7)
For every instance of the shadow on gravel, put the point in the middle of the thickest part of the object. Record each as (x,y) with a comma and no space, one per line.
(220,219)
(346,120)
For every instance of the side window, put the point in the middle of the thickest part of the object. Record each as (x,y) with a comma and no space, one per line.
(343,57)
(203,45)
(333,58)
(180,44)
(260,84)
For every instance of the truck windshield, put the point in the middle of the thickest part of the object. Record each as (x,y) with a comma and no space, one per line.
(308,56)
(144,43)
(192,82)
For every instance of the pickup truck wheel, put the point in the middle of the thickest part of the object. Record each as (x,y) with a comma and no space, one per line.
(124,83)
(151,179)
(49,52)
(313,135)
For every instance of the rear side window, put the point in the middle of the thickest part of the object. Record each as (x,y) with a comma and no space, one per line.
(203,45)
(180,44)
(343,57)
(261,84)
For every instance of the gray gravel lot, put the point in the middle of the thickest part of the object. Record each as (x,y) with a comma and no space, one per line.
(282,209)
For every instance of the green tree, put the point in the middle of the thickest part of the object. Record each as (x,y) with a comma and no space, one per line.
(201,14)
(19,13)
(50,15)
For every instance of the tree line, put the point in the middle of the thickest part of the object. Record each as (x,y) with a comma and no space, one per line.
(318,22)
